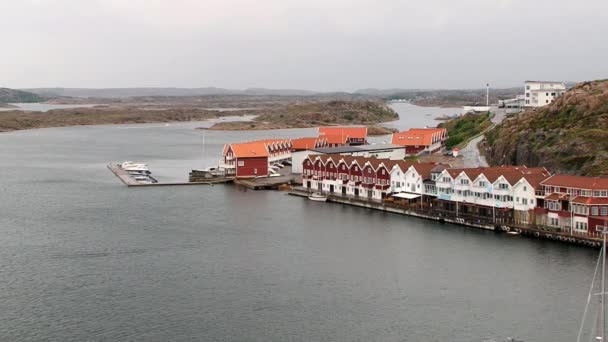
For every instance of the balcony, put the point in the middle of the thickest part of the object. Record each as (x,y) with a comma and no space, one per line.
(382,186)
(367,185)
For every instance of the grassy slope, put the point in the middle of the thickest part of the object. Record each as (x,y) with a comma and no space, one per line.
(462,129)
(570,135)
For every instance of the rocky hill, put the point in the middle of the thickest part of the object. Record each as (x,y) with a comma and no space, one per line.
(314,114)
(568,136)
(8,95)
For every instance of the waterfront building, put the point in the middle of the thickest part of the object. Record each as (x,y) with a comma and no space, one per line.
(343,136)
(364,177)
(514,105)
(542,93)
(574,203)
(421,140)
(380,151)
(494,194)
(253,158)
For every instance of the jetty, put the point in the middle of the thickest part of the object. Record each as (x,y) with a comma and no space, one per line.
(130,182)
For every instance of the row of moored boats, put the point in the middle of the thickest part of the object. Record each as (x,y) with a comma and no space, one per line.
(140,172)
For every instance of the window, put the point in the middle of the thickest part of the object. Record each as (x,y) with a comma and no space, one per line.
(594,211)
(603,193)
(482,183)
(255,171)
(604,211)
(596,194)
(524,201)
(525,188)
(503,186)
(547,94)
(241,163)
(382,171)
(356,168)
(464,181)
(552,94)
(546,101)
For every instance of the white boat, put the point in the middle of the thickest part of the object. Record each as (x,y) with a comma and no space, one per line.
(317,197)
(136,167)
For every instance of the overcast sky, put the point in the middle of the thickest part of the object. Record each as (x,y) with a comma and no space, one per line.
(306,44)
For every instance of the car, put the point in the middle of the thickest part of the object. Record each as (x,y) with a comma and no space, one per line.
(274,175)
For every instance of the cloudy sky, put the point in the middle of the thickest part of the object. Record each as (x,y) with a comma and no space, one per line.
(307,44)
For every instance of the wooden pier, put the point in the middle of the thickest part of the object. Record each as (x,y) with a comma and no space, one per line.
(130,182)
(528,231)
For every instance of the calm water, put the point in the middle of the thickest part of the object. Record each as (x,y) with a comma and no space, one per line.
(83,258)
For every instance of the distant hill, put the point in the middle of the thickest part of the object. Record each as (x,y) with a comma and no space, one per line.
(8,95)
(570,135)
(138,92)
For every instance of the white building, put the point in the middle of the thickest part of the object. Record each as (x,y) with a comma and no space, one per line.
(541,93)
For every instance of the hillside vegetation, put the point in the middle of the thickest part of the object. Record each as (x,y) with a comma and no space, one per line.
(463,128)
(18,96)
(569,136)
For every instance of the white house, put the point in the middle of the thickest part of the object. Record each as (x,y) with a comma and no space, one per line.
(541,93)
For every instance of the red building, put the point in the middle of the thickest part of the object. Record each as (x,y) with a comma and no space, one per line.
(252,159)
(575,203)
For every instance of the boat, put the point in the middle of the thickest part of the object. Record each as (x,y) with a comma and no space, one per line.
(317,197)
(131,166)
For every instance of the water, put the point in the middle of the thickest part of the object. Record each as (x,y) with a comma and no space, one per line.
(83,258)
(44,107)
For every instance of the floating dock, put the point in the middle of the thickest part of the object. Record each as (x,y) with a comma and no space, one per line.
(130,182)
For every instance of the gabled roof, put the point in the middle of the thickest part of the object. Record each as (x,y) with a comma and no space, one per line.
(308,143)
(590,200)
(578,182)
(351,132)
(418,136)
(249,149)
(512,174)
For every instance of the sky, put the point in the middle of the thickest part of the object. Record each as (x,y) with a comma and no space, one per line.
(324,45)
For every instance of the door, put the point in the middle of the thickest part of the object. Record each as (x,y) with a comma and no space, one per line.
(343,190)
(320,187)
(308,184)
(369,193)
(357,192)
(331,188)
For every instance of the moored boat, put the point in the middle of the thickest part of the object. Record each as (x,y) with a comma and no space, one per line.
(317,197)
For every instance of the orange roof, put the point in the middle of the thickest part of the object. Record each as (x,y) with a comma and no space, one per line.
(352,132)
(249,149)
(336,139)
(307,143)
(578,182)
(418,136)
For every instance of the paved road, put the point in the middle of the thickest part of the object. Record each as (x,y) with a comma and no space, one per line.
(470,154)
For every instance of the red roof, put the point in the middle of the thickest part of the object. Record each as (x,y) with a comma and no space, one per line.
(512,174)
(308,143)
(419,136)
(590,200)
(578,182)
(351,132)
(556,197)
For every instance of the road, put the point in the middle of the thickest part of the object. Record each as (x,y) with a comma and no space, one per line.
(470,153)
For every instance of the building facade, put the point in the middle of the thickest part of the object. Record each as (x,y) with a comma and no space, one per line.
(253,158)
(574,203)
(542,93)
